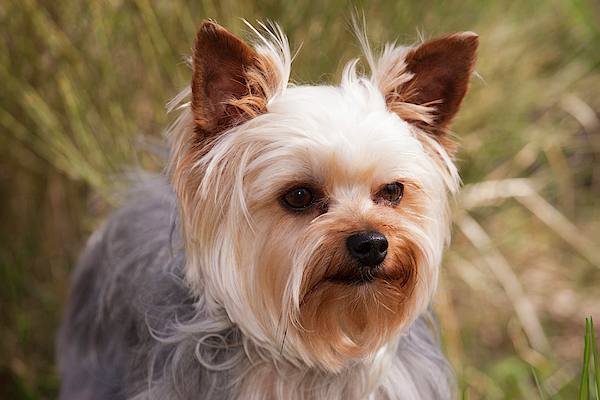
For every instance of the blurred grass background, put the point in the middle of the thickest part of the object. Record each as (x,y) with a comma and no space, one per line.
(83,86)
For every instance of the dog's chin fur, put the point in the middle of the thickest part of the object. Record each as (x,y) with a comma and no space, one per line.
(255,300)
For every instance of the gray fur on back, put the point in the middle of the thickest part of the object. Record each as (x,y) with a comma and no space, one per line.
(130,330)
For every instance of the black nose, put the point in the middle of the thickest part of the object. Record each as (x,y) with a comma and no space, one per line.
(369,248)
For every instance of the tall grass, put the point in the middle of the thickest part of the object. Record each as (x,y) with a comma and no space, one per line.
(589,376)
(82,94)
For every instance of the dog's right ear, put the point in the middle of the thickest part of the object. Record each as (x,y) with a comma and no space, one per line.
(220,81)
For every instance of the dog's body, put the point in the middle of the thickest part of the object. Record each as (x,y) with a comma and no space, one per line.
(299,250)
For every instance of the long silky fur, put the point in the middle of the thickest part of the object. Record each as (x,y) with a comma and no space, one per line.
(134,330)
(139,325)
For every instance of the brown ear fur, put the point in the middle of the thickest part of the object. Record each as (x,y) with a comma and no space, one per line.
(221,62)
(441,69)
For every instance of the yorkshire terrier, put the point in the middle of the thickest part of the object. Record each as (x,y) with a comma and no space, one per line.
(295,251)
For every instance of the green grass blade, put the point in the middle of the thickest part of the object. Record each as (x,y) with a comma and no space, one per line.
(537,383)
(583,388)
(596,375)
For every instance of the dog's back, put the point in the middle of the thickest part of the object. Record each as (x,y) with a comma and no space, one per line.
(133,262)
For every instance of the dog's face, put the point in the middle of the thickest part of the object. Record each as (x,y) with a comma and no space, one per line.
(316,217)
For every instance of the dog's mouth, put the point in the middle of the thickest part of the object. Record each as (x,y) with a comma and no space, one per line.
(358,275)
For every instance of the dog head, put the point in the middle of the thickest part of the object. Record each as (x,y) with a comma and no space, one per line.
(315,217)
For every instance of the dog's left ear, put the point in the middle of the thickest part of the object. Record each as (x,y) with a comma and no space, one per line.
(220,84)
(440,69)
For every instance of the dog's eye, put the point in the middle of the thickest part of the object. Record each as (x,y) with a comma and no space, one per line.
(298,198)
(392,193)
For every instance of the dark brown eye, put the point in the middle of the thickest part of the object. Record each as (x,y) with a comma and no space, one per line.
(298,198)
(392,193)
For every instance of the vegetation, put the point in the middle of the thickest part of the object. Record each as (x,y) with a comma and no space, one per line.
(82,95)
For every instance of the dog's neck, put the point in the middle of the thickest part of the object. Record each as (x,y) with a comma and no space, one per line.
(414,364)
(265,378)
